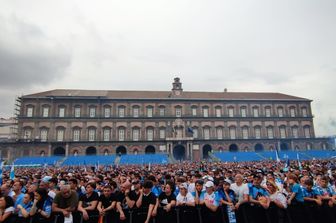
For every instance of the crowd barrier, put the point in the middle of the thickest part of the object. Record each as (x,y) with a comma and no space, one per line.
(247,213)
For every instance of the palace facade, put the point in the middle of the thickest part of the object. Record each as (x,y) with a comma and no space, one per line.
(185,124)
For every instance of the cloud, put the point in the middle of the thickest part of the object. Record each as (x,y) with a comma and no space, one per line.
(27,56)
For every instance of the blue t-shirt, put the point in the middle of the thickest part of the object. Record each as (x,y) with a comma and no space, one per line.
(157,190)
(27,207)
(19,200)
(311,194)
(296,188)
(231,194)
(256,192)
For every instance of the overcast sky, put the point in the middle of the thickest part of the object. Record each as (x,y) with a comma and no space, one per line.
(286,46)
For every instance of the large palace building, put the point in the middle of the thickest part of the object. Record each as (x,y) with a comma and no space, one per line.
(184,124)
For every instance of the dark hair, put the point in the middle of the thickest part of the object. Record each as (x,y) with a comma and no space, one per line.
(9,201)
(31,195)
(148,184)
(309,182)
(73,180)
(91,184)
(171,185)
(200,182)
(44,196)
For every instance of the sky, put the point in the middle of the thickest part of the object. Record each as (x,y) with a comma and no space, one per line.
(285,46)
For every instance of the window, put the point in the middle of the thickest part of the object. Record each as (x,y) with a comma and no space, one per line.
(219,132)
(92,134)
(295,132)
(136,134)
(280,112)
(44,135)
(178,111)
(304,112)
(306,130)
(30,111)
(136,112)
(231,112)
(255,112)
(121,111)
(179,132)
(243,112)
(206,133)
(195,132)
(218,112)
(61,112)
(106,134)
(194,111)
(268,112)
(205,112)
(257,132)
(149,111)
(107,112)
(27,134)
(121,134)
(270,133)
(162,133)
(162,111)
(76,135)
(150,134)
(232,131)
(292,112)
(245,132)
(77,112)
(282,132)
(60,135)
(92,112)
(45,112)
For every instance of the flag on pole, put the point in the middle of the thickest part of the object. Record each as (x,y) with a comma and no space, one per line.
(1,166)
(12,172)
(277,158)
(149,166)
(298,160)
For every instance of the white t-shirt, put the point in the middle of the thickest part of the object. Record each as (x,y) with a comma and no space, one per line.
(9,209)
(279,197)
(187,198)
(191,187)
(240,191)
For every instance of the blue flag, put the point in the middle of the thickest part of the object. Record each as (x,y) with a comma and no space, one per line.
(298,160)
(277,158)
(12,172)
(1,166)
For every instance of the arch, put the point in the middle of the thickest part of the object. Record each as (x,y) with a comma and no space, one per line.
(233,148)
(121,150)
(258,147)
(206,150)
(179,152)
(59,151)
(284,146)
(91,151)
(150,149)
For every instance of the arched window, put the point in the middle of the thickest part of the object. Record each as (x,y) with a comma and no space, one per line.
(45,111)
(44,134)
(280,112)
(162,133)
(150,133)
(268,111)
(30,111)
(306,130)
(282,130)
(231,111)
(206,132)
(107,111)
(92,111)
(295,132)
(77,111)
(92,134)
(60,134)
(61,111)
(149,111)
(218,111)
(121,111)
(106,134)
(136,111)
(121,133)
(136,134)
(162,110)
(304,111)
(178,111)
(76,132)
(257,132)
(292,111)
(270,132)
(232,131)
(194,110)
(245,132)
(219,132)
(243,112)
(255,111)
(205,111)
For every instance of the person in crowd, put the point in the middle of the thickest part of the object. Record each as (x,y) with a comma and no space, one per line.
(88,203)
(185,198)
(6,209)
(41,208)
(24,208)
(198,191)
(106,204)
(167,202)
(132,196)
(210,201)
(295,200)
(147,200)
(65,202)
(278,203)
(74,186)
(18,195)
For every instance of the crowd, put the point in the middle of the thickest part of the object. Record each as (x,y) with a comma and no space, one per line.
(264,191)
